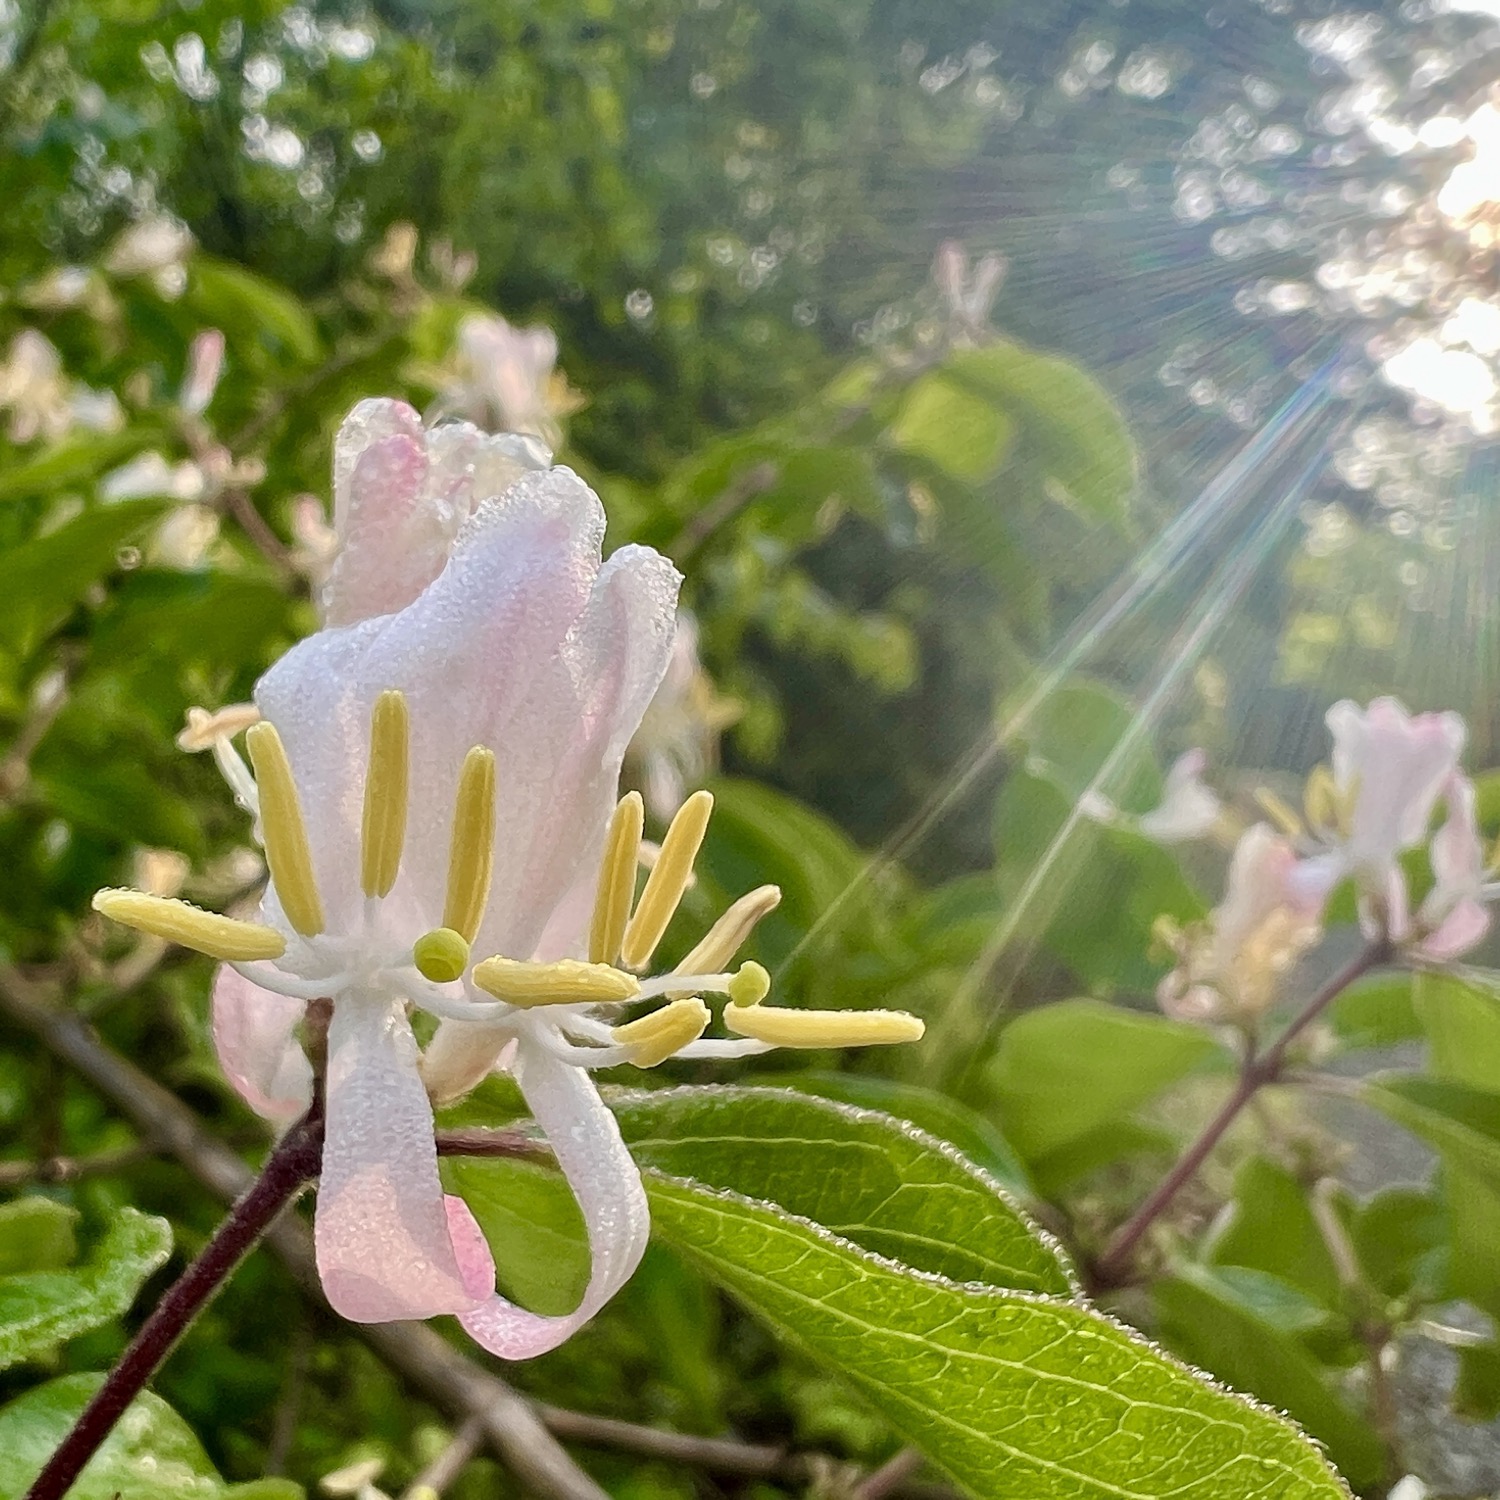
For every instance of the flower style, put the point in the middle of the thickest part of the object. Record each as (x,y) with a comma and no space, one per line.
(1390,769)
(1189,807)
(678,741)
(437,783)
(1231,968)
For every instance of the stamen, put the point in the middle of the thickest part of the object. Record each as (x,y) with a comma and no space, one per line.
(566,982)
(384,829)
(1320,798)
(622,847)
(822,1028)
(287,851)
(471,856)
(667,881)
(180,922)
(1278,812)
(725,938)
(204,729)
(653,1039)
(441,955)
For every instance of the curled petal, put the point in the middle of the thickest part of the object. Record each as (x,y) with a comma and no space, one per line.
(385,1247)
(1462,929)
(255,1035)
(606,1183)
(1188,807)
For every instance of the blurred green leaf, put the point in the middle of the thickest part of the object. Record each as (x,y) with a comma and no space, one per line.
(36,1234)
(1400,1239)
(1079,439)
(1377,1011)
(82,458)
(961,431)
(40,1309)
(1065,1070)
(150,1455)
(249,308)
(1210,1322)
(43,580)
(1272,1229)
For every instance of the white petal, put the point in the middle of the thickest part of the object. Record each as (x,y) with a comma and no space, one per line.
(1188,809)
(607,1185)
(254,1034)
(385,1249)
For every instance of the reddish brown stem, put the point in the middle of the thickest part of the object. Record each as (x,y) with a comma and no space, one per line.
(288,1168)
(1258,1070)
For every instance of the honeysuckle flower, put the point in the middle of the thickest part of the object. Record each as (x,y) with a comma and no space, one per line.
(969,298)
(1389,769)
(1454,917)
(506,378)
(1189,807)
(42,401)
(150,474)
(1231,967)
(677,744)
(434,785)
(401,494)
(149,247)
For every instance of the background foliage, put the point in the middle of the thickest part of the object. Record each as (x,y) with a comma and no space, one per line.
(889,514)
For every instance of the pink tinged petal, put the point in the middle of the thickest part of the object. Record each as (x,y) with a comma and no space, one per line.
(1261,882)
(1188,808)
(1398,764)
(1462,929)
(1457,849)
(385,1248)
(606,1183)
(254,1033)
(475,1263)
(370,422)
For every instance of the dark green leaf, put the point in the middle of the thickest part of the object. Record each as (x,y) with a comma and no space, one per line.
(36,1234)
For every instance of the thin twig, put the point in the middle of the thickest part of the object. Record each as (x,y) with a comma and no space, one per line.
(750,485)
(889,1477)
(515,1143)
(287,1171)
(449,1464)
(1256,1072)
(56,1169)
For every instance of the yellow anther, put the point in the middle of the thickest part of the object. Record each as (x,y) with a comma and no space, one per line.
(1320,798)
(440,955)
(287,851)
(471,855)
(822,1028)
(204,728)
(725,938)
(384,829)
(653,1039)
(750,986)
(668,880)
(566,982)
(622,847)
(179,922)
(1279,812)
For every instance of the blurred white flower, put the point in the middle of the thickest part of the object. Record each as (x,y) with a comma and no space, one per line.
(505,380)
(42,401)
(205,364)
(1230,968)
(1189,808)
(149,246)
(677,744)
(149,475)
(969,297)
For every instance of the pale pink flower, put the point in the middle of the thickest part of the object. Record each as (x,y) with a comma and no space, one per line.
(1389,770)
(1454,916)
(1231,968)
(205,364)
(149,247)
(401,494)
(484,722)
(1189,807)
(506,379)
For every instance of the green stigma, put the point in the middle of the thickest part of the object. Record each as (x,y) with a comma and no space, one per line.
(441,955)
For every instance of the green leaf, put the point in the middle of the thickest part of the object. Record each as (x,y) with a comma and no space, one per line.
(889,1187)
(78,460)
(963,432)
(1075,432)
(1065,1070)
(1461,1121)
(150,1455)
(239,301)
(1210,1322)
(40,1309)
(1015,1396)
(1378,1011)
(36,1234)
(1273,1230)
(1401,1242)
(931,1111)
(42,580)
